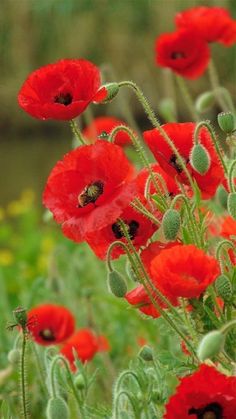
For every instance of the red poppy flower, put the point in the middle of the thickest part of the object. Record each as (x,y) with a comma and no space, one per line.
(50,324)
(138,296)
(140,230)
(62,90)
(206,394)
(89,188)
(86,344)
(169,182)
(184,51)
(214,24)
(184,271)
(228,227)
(182,136)
(105,124)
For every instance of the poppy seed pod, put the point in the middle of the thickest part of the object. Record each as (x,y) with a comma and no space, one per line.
(171,224)
(226,121)
(211,345)
(224,288)
(231,204)
(57,408)
(117,284)
(200,159)
(20,316)
(205,101)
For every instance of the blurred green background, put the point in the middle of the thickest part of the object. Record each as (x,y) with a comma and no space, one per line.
(117,35)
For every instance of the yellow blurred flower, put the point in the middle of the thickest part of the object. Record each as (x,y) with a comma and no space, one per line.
(20,206)
(6,257)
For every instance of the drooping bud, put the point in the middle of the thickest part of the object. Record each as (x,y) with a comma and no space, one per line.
(200,159)
(226,121)
(167,109)
(79,382)
(223,288)
(171,223)
(222,196)
(231,204)
(20,316)
(57,408)
(205,101)
(146,353)
(117,284)
(13,356)
(211,345)
(112,90)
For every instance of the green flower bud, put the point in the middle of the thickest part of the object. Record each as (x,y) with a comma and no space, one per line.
(205,101)
(13,356)
(146,353)
(20,316)
(211,345)
(222,196)
(231,204)
(112,90)
(117,284)
(171,223)
(57,408)
(167,109)
(200,159)
(223,288)
(226,121)
(79,382)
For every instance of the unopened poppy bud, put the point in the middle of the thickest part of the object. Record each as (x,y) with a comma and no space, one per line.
(13,356)
(211,345)
(167,109)
(112,90)
(200,159)
(222,196)
(79,382)
(205,101)
(223,288)
(231,204)
(146,353)
(117,284)
(57,408)
(20,316)
(226,121)
(171,223)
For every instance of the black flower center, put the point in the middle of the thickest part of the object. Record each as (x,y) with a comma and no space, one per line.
(63,98)
(47,334)
(90,194)
(175,163)
(177,54)
(132,227)
(211,411)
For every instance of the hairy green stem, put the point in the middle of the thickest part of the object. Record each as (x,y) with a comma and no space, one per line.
(76,131)
(23,375)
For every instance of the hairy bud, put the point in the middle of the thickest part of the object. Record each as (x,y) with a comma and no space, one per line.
(205,101)
(112,90)
(211,345)
(231,204)
(223,288)
(222,196)
(226,122)
(200,159)
(117,284)
(57,408)
(171,223)
(146,353)
(13,356)
(79,382)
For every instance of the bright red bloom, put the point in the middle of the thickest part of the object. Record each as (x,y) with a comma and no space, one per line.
(140,230)
(50,324)
(62,90)
(105,124)
(206,394)
(213,24)
(89,188)
(184,51)
(184,271)
(182,136)
(138,296)
(86,344)
(228,227)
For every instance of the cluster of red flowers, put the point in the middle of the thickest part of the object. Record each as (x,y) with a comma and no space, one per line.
(186,50)
(51,324)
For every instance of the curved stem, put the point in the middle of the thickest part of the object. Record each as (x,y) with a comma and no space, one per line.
(76,131)
(219,249)
(153,119)
(111,247)
(207,125)
(124,393)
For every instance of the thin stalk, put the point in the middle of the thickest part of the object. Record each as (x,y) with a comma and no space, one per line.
(23,375)
(76,131)
(138,206)
(153,119)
